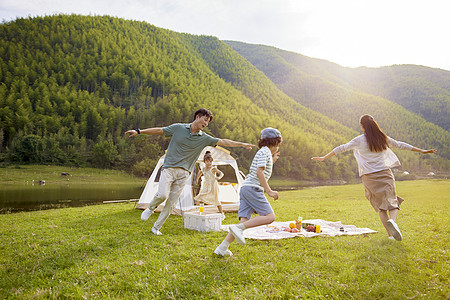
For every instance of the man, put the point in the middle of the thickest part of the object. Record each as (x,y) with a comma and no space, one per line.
(186,144)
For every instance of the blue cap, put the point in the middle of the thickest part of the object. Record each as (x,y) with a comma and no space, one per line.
(269,133)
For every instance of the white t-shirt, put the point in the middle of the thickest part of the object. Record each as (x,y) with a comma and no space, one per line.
(371,162)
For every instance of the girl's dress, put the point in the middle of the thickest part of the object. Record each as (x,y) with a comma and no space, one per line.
(209,192)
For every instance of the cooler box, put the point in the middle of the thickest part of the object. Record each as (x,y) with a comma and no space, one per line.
(196,221)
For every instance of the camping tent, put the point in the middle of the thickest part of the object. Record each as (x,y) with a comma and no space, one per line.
(228,192)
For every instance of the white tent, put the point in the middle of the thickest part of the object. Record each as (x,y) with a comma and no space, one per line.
(228,192)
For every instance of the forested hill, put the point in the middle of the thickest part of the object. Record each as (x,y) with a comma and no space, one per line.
(344,94)
(421,90)
(71,85)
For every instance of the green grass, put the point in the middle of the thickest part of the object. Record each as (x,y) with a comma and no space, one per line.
(106,251)
(28,173)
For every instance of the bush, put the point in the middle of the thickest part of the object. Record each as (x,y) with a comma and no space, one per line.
(144,168)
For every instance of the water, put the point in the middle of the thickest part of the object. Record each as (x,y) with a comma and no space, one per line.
(26,197)
(16,198)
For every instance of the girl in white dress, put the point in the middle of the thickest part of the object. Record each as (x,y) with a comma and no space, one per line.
(209,192)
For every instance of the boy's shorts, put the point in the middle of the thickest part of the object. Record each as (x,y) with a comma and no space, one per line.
(252,200)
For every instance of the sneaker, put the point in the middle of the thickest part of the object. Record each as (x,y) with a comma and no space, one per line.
(146,214)
(222,217)
(221,252)
(393,228)
(238,234)
(156,231)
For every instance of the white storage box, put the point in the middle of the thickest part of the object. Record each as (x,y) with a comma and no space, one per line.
(196,221)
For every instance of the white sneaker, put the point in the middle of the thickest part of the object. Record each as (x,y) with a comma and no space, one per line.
(220,252)
(156,231)
(238,234)
(223,217)
(393,228)
(146,214)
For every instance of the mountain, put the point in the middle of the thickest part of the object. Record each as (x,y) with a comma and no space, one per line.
(344,94)
(71,85)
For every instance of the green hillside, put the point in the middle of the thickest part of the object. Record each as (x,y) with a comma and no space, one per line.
(421,90)
(71,85)
(339,94)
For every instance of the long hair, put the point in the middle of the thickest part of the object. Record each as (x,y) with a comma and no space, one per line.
(376,138)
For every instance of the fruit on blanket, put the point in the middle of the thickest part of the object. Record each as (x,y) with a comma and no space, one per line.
(287,229)
(294,230)
(311,228)
(291,225)
(305,224)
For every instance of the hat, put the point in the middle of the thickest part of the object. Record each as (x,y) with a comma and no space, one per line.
(269,133)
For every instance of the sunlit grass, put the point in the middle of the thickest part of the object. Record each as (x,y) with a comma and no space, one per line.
(106,251)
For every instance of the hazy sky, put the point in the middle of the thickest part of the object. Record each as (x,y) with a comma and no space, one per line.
(351,33)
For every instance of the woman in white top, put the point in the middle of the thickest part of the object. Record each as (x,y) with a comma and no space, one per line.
(375,159)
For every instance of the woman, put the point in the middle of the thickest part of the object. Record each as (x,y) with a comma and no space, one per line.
(375,159)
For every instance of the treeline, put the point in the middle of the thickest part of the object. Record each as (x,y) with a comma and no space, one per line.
(71,85)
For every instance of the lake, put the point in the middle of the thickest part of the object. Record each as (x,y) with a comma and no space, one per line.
(26,197)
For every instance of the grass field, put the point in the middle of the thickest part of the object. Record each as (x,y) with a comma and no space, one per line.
(106,251)
(28,173)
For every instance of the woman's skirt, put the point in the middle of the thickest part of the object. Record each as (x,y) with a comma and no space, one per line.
(380,190)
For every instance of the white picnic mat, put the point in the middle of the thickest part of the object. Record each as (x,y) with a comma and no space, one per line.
(274,231)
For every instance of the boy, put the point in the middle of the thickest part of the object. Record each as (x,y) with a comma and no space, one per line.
(252,197)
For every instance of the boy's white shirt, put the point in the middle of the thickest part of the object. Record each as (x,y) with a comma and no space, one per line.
(263,158)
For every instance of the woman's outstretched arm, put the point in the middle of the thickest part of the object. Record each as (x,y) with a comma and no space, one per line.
(423,151)
(322,158)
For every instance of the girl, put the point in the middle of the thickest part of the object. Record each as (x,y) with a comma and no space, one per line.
(252,197)
(374,160)
(210,188)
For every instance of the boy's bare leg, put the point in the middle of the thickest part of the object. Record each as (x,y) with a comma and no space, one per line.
(259,220)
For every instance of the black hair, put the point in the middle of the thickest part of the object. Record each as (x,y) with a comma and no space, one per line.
(207,156)
(203,112)
(270,142)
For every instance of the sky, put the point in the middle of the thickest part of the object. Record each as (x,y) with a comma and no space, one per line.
(351,33)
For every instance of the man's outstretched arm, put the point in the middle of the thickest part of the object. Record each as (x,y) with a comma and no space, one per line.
(230,143)
(148,131)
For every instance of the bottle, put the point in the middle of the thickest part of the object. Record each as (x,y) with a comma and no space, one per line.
(298,223)
(202,208)
(318,229)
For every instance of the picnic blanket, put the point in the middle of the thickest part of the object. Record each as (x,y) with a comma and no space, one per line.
(274,231)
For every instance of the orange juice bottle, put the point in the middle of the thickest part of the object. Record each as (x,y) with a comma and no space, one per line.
(202,208)
(298,223)
(318,228)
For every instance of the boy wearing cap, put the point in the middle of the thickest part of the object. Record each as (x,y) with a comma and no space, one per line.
(252,197)
(186,143)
